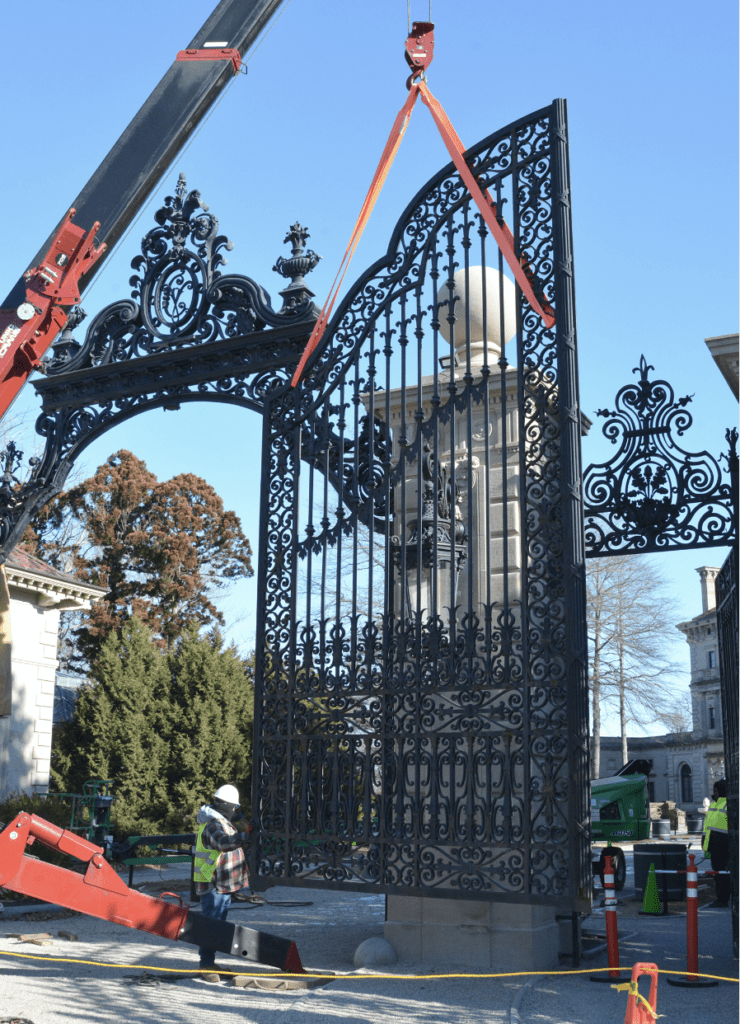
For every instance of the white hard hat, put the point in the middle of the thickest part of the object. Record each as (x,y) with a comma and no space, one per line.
(229,794)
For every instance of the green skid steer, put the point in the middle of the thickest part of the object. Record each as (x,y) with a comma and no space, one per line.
(619,811)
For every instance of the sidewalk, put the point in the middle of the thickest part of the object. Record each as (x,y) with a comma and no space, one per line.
(327,934)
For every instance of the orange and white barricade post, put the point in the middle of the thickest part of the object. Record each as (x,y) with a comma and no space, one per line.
(692,934)
(612,937)
(639,1009)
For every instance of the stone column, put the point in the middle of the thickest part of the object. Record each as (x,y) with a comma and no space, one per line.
(484,452)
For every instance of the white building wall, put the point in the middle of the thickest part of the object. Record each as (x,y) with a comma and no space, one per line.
(32,595)
(25,735)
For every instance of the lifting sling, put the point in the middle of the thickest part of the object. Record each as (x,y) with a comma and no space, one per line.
(419,53)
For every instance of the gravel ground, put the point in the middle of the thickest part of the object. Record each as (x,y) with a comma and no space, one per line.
(327,933)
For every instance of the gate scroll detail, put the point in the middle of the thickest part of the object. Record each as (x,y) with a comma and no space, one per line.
(652,495)
(421,714)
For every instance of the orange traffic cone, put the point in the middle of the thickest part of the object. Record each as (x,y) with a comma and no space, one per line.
(639,1009)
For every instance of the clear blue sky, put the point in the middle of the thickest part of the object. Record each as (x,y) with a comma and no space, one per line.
(651,90)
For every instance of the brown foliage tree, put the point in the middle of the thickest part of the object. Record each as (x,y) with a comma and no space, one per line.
(162,550)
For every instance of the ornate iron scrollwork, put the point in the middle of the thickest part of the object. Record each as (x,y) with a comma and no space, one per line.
(205,336)
(440,517)
(172,281)
(180,297)
(653,495)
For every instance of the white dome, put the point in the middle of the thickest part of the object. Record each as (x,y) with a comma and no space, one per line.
(475,294)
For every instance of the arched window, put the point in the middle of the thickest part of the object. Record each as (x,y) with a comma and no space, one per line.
(687,793)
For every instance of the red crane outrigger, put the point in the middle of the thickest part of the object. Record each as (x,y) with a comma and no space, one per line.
(100,892)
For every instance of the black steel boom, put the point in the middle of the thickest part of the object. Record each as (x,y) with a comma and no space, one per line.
(127,176)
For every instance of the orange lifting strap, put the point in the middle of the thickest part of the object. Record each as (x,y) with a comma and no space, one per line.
(419,53)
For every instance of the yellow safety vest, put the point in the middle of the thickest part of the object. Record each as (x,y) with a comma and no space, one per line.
(716,820)
(205,859)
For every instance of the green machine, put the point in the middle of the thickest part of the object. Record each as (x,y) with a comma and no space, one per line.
(619,810)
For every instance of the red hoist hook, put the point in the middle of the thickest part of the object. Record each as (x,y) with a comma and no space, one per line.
(419,54)
(419,50)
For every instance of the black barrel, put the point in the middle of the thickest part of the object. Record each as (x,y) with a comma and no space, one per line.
(661,828)
(665,857)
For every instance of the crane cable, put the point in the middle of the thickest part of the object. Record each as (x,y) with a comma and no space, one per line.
(419,53)
(408,14)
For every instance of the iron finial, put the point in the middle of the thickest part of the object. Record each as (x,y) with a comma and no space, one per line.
(301,262)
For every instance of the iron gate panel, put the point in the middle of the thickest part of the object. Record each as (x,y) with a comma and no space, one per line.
(727,635)
(421,693)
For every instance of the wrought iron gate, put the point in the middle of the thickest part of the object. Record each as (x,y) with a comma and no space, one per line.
(727,634)
(421,697)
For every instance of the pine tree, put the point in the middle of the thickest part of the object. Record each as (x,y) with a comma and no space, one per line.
(168,727)
(211,715)
(117,731)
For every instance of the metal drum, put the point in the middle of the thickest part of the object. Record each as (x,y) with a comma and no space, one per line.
(665,857)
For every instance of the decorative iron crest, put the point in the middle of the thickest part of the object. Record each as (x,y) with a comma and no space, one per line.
(653,495)
(179,295)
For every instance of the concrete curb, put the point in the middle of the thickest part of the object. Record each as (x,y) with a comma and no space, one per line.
(515,1016)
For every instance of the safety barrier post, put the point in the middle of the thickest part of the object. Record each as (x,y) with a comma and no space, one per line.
(692,934)
(639,1009)
(612,938)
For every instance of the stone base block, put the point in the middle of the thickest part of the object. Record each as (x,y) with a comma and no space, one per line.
(473,934)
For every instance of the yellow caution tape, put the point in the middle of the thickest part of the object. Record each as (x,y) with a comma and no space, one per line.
(339,977)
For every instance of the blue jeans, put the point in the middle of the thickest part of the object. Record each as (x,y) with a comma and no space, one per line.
(216,905)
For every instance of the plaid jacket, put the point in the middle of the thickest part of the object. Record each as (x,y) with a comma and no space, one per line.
(231,868)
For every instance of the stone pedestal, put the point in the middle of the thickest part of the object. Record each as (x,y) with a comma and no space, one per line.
(473,934)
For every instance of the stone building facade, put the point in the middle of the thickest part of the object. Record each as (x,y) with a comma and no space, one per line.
(32,595)
(685,765)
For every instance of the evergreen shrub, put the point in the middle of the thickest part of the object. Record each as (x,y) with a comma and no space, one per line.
(168,726)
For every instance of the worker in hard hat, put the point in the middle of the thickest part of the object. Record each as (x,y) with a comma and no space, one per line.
(716,843)
(220,864)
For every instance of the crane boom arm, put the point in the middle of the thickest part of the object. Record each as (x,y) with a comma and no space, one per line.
(33,311)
